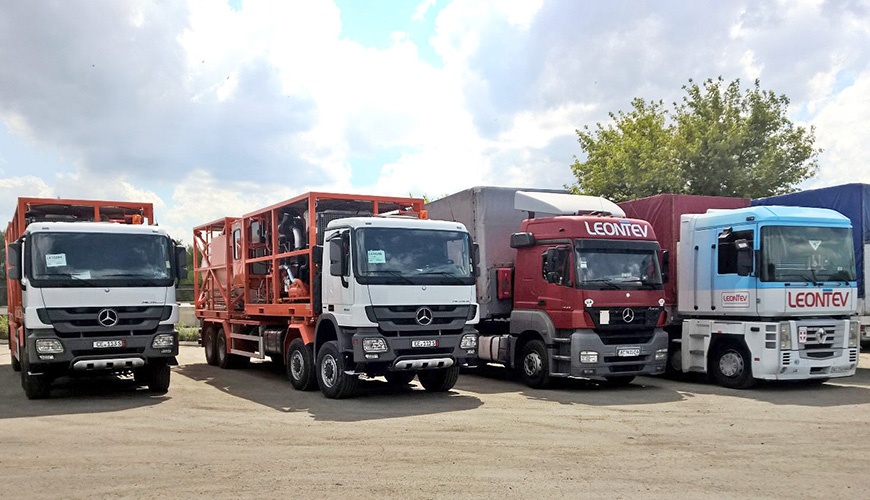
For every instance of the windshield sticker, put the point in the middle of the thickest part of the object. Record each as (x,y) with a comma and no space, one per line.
(583,264)
(377,257)
(84,275)
(815,244)
(55,260)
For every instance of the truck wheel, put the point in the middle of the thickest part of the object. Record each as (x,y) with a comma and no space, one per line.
(157,377)
(674,367)
(618,381)
(209,344)
(534,365)
(222,357)
(400,378)
(35,386)
(731,367)
(334,382)
(300,366)
(440,380)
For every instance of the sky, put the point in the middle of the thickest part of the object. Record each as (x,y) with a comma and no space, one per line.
(209,108)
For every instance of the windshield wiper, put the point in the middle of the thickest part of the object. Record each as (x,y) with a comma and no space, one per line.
(392,274)
(642,282)
(446,274)
(608,282)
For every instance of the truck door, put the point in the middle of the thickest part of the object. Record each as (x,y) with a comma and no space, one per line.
(734,287)
(556,294)
(338,285)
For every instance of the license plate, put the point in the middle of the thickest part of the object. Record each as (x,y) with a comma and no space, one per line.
(105,344)
(424,343)
(626,352)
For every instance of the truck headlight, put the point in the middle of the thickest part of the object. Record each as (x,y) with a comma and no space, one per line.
(49,346)
(163,340)
(374,344)
(588,357)
(784,336)
(854,334)
(662,354)
(468,342)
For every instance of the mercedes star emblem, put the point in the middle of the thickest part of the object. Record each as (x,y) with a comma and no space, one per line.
(108,317)
(424,316)
(627,315)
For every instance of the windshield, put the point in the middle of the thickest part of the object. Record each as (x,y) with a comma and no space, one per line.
(412,257)
(814,254)
(100,259)
(617,268)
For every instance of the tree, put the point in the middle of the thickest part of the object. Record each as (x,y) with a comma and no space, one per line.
(718,141)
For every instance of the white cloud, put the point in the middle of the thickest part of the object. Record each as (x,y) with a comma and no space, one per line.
(842,130)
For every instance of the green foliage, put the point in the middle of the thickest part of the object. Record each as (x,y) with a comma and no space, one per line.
(718,141)
(4,327)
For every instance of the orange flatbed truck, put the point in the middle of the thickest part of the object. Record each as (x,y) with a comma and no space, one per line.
(335,286)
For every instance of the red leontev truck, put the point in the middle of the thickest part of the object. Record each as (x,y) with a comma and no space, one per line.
(568,286)
(91,289)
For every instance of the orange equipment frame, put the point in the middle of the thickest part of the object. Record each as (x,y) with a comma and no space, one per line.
(242,264)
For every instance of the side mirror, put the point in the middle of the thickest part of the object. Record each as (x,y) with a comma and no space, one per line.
(744,257)
(181,261)
(666,266)
(475,259)
(13,261)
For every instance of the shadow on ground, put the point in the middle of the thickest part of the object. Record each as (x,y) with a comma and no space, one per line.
(261,383)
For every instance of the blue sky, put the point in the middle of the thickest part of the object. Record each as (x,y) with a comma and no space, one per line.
(212,108)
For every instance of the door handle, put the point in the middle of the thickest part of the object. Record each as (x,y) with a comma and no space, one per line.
(542,302)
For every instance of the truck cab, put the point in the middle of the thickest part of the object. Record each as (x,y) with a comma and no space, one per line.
(398,299)
(92,297)
(767,293)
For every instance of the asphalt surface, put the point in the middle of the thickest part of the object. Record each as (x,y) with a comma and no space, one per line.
(247,434)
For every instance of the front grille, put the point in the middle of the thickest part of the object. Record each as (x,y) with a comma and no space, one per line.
(821,354)
(404,318)
(75,322)
(624,318)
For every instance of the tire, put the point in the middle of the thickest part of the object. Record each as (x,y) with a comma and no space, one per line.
(209,344)
(674,366)
(223,358)
(618,381)
(333,381)
(440,380)
(35,386)
(300,366)
(731,367)
(534,365)
(157,377)
(400,378)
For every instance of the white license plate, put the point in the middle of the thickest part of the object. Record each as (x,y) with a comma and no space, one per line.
(105,344)
(626,352)
(424,343)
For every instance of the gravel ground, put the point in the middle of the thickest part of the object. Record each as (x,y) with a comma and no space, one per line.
(247,434)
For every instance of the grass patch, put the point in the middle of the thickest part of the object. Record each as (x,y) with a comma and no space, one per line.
(187,333)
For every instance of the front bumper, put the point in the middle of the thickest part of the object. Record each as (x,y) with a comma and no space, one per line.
(610,361)
(89,354)
(413,352)
(794,367)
